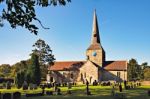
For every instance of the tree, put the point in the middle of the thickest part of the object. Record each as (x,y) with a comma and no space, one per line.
(22,12)
(133,70)
(33,72)
(147,73)
(44,52)
(5,70)
(20,77)
(20,66)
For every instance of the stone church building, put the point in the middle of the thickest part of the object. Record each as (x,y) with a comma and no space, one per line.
(94,68)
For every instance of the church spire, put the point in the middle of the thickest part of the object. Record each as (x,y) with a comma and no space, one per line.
(95,31)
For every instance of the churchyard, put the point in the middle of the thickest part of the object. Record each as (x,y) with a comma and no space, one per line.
(80,92)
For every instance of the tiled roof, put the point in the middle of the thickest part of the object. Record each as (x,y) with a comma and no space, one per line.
(66,65)
(115,65)
(75,65)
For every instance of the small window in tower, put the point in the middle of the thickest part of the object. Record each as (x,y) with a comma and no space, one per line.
(95,35)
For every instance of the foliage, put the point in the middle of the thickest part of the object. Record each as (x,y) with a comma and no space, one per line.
(133,70)
(44,52)
(33,72)
(20,77)
(22,12)
(147,73)
(20,66)
(5,70)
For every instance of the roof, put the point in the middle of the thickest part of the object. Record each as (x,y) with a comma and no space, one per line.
(115,65)
(66,65)
(75,65)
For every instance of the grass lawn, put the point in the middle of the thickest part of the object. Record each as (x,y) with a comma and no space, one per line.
(78,92)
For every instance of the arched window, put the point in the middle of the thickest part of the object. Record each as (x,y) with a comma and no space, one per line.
(51,79)
(84,75)
(71,75)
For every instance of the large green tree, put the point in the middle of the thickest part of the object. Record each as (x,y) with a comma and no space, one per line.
(33,72)
(22,12)
(133,71)
(44,52)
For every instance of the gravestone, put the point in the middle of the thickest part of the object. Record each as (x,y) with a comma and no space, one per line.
(8,85)
(120,88)
(6,96)
(113,91)
(69,85)
(25,85)
(125,84)
(17,95)
(87,88)
(148,92)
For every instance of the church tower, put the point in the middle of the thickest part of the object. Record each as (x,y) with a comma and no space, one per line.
(95,52)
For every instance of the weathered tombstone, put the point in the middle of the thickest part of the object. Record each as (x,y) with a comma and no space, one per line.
(8,85)
(69,85)
(25,85)
(17,95)
(34,86)
(6,96)
(120,88)
(31,86)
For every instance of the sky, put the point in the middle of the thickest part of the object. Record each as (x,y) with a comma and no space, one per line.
(124,27)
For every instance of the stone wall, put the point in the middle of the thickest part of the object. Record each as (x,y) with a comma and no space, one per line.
(88,71)
(98,59)
(112,75)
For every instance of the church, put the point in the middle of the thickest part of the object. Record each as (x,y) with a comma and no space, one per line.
(94,68)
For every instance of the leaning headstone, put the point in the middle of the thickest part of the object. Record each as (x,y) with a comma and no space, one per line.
(25,85)
(17,95)
(6,96)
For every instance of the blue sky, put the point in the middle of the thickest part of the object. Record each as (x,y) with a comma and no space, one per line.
(124,30)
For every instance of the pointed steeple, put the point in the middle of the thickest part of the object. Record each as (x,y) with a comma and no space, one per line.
(95,30)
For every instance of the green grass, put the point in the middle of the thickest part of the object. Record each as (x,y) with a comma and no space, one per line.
(78,92)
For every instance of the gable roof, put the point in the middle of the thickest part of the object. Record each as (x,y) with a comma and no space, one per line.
(66,65)
(115,65)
